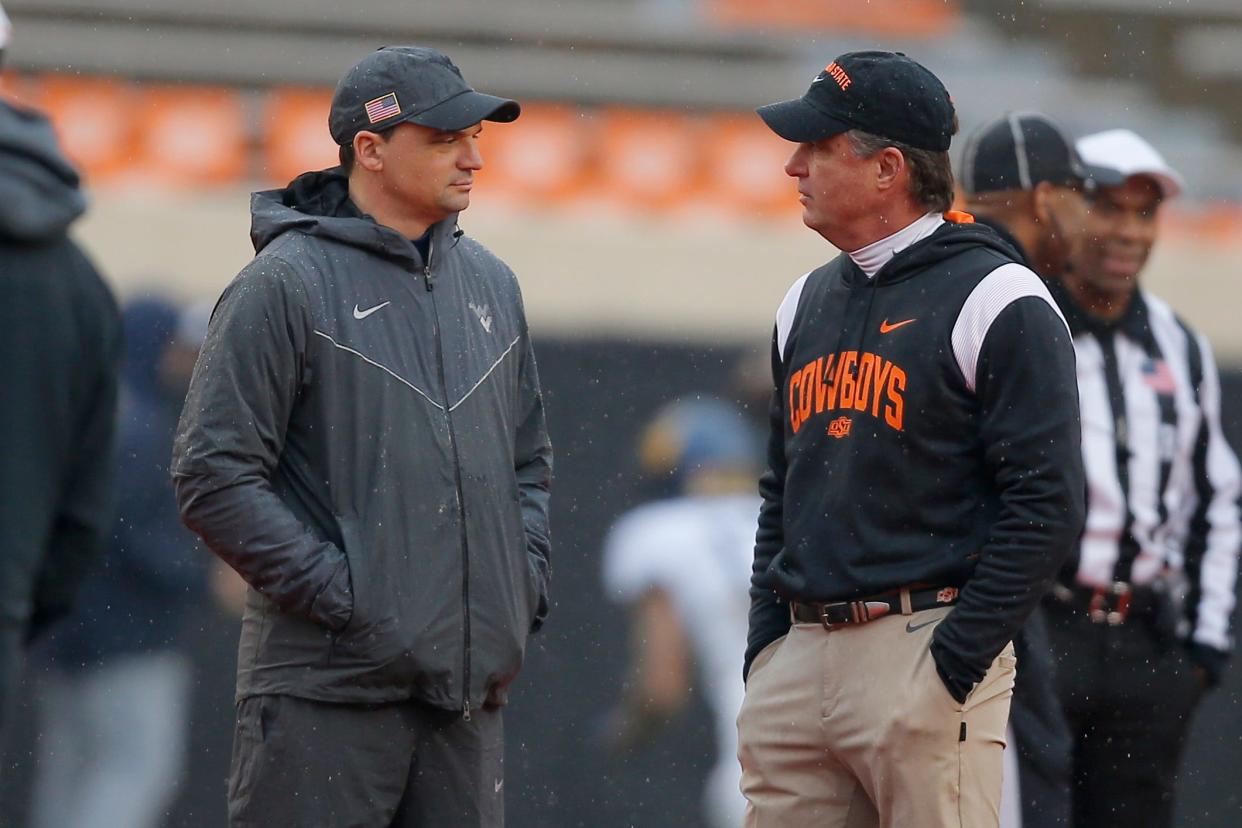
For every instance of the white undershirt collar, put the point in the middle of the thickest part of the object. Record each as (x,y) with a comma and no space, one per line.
(877,254)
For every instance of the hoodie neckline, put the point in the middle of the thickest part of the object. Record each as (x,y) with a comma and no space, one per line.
(318,204)
(871,258)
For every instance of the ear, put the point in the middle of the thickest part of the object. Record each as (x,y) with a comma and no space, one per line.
(1041,202)
(890,164)
(369,151)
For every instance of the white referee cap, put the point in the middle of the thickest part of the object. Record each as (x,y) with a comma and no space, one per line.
(1127,153)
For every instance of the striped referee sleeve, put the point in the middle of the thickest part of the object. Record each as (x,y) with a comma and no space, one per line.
(1215,531)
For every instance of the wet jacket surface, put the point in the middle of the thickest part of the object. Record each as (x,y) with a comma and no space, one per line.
(364,442)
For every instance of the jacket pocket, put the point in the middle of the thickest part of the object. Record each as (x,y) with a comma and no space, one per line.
(536,606)
(535,580)
(372,626)
(762,658)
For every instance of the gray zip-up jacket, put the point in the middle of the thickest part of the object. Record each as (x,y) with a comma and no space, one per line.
(364,441)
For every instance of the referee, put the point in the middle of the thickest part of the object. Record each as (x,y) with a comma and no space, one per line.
(1141,619)
(1022,177)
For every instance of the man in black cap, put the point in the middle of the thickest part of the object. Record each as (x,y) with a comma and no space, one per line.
(1022,177)
(924,479)
(364,442)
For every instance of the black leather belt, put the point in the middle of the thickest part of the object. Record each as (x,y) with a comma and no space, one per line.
(898,602)
(1111,604)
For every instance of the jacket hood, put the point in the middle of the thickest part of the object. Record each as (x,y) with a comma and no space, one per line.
(318,204)
(950,239)
(39,189)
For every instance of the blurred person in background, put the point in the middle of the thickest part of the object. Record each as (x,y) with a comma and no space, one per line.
(115,712)
(1022,177)
(364,442)
(682,567)
(1141,620)
(60,344)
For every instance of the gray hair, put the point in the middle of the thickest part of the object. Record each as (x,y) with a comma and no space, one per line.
(931,172)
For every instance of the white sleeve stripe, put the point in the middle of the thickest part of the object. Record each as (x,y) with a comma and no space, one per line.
(997,291)
(1219,565)
(786,312)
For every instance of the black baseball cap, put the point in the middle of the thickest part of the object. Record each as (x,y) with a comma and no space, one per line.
(1019,150)
(399,84)
(883,93)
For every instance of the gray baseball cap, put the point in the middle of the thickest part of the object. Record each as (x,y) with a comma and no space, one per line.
(410,84)
(1019,150)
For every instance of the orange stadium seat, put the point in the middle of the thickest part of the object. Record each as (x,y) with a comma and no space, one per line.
(922,18)
(94,119)
(295,133)
(745,163)
(190,136)
(16,88)
(539,158)
(647,159)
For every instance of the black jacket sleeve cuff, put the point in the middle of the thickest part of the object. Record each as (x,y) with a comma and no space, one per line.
(959,688)
(757,644)
(752,651)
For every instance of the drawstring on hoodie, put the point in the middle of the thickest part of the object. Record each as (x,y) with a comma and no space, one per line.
(862,333)
(874,287)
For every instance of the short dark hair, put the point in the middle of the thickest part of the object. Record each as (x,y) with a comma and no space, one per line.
(345,152)
(931,172)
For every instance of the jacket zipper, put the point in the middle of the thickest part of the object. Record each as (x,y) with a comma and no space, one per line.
(461,500)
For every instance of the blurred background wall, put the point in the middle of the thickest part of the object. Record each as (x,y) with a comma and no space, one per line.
(644,209)
(639,194)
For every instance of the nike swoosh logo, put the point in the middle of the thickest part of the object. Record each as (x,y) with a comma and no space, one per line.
(912,627)
(363,314)
(885,327)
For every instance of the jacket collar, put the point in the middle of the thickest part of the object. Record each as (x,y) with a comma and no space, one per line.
(1133,322)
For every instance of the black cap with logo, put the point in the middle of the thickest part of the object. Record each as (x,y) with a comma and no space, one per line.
(410,84)
(882,93)
(1019,150)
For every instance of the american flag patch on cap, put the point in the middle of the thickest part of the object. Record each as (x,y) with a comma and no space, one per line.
(382,107)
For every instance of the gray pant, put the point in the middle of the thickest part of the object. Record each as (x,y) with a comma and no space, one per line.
(12,654)
(112,743)
(306,764)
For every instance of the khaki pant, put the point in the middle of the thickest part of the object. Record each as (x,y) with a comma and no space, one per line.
(855,728)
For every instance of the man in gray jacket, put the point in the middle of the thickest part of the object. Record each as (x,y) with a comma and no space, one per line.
(364,442)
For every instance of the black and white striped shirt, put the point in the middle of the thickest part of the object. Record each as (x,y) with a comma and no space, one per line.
(1163,483)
